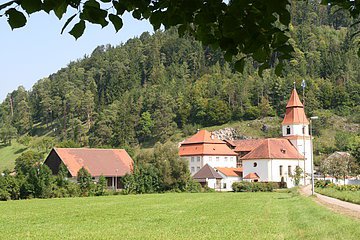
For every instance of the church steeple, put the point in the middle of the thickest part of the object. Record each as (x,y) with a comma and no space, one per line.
(295,113)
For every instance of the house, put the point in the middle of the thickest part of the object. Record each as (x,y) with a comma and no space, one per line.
(229,176)
(110,163)
(208,177)
(204,148)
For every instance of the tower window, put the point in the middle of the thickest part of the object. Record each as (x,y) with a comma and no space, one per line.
(303,130)
(288,130)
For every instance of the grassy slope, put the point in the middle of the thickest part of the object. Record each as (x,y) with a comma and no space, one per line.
(8,154)
(175,216)
(349,196)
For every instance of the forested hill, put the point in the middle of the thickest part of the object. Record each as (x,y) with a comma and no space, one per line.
(156,85)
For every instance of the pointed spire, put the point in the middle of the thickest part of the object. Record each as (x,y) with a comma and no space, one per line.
(295,113)
(294,100)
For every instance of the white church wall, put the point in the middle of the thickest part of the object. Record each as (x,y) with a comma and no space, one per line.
(295,130)
(258,166)
(269,170)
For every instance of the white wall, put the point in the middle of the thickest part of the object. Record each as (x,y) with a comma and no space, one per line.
(269,170)
(197,162)
(295,130)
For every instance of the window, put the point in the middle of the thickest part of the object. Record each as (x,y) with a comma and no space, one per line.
(255,164)
(192,169)
(198,159)
(288,130)
(303,130)
(289,170)
(217,159)
(210,159)
(226,158)
(192,159)
(281,170)
(224,185)
(197,168)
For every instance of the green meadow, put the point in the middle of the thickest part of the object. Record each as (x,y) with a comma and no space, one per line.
(175,216)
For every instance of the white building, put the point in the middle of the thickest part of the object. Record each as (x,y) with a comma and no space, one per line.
(275,160)
(204,148)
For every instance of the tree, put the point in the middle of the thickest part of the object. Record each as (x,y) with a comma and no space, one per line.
(224,25)
(85,181)
(26,161)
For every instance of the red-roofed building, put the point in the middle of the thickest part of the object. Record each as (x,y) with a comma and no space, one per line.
(204,148)
(111,163)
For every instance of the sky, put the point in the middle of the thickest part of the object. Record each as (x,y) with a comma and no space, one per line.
(37,50)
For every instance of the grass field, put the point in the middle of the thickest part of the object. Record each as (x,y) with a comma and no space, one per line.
(8,154)
(348,196)
(175,216)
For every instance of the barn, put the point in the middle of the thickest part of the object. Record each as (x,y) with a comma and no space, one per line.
(113,164)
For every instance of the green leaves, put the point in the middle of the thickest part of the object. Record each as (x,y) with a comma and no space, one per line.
(78,29)
(16,19)
(116,21)
(31,6)
(93,13)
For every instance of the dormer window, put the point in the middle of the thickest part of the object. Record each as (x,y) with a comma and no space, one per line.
(288,130)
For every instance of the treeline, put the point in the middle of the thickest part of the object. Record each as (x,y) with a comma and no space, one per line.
(153,86)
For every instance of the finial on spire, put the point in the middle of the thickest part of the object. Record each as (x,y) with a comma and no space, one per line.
(294,85)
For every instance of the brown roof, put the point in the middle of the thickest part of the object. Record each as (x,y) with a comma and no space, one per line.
(202,136)
(274,148)
(203,143)
(206,149)
(295,113)
(247,145)
(294,100)
(230,172)
(207,172)
(106,162)
(252,176)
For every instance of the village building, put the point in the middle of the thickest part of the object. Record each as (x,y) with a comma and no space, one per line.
(204,148)
(113,164)
(265,160)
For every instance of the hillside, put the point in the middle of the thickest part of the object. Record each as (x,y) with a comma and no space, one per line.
(161,87)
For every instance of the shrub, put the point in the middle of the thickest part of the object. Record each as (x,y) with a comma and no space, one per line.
(254,186)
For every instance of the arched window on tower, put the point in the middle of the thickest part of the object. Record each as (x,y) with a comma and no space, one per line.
(288,130)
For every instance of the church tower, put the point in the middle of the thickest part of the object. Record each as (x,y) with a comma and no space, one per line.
(295,128)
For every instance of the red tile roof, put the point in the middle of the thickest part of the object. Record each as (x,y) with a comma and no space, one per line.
(294,100)
(230,172)
(252,176)
(207,172)
(246,145)
(106,162)
(202,143)
(202,136)
(274,148)
(206,149)
(295,111)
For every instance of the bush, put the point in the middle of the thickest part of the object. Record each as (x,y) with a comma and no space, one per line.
(254,186)
(321,183)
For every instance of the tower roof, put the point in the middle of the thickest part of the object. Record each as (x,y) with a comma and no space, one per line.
(294,100)
(295,113)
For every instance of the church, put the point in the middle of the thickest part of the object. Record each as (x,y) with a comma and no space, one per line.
(263,160)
